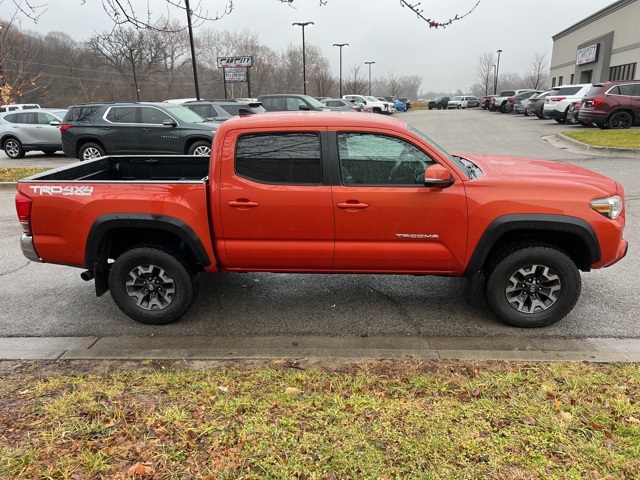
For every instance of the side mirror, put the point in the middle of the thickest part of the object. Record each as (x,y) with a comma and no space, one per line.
(436,176)
(169,123)
(54,123)
(304,107)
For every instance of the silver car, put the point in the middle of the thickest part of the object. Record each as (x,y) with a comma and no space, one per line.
(34,129)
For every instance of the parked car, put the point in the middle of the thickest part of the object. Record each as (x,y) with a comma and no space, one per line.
(536,103)
(401,106)
(94,130)
(438,103)
(406,101)
(556,106)
(473,102)
(18,106)
(391,104)
(22,131)
(485,102)
(501,102)
(374,104)
(284,102)
(521,102)
(221,110)
(460,101)
(612,105)
(342,104)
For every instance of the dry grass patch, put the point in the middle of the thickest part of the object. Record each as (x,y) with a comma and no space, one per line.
(384,420)
(15,174)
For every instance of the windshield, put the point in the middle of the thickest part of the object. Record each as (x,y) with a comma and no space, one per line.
(455,99)
(457,160)
(184,114)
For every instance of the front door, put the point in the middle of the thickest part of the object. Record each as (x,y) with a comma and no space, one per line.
(386,219)
(155,137)
(276,212)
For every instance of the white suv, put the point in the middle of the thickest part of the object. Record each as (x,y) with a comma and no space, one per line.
(376,105)
(556,106)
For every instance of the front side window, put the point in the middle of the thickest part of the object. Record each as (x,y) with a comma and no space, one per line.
(626,89)
(280,158)
(154,116)
(294,104)
(373,159)
(45,118)
(122,115)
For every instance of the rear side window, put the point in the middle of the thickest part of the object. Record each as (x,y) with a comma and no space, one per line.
(595,90)
(122,114)
(11,118)
(280,158)
(31,118)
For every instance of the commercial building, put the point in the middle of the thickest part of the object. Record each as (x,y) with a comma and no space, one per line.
(604,46)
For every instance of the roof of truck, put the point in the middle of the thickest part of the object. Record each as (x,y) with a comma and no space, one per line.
(313,119)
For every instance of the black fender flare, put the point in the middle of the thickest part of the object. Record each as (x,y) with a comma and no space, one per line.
(533,222)
(106,223)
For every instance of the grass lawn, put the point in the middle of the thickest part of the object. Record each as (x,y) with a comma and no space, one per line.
(14,174)
(607,138)
(377,420)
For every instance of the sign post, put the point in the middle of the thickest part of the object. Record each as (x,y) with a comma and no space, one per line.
(235,63)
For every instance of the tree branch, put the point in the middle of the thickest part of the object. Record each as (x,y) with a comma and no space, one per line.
(434,23)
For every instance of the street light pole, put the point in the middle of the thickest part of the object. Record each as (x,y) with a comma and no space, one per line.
(369,63)
(193,49)
(495,84)
(304,57)
(133,67)
(340,45)
(494,79)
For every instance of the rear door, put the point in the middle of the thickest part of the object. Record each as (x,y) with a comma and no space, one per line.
(275,207)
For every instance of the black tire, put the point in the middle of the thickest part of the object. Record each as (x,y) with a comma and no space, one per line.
(532,286)
(49,152)
(602,126)
(559,120)
(13,148)
(89,151)
(153,285)
(200,148)
(620,120)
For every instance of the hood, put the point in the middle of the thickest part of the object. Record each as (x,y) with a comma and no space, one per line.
(528,170)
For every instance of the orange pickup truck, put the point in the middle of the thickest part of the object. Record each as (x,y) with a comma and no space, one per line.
(325,192)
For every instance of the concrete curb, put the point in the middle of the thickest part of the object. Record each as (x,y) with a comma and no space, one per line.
(321,348)
(635,152)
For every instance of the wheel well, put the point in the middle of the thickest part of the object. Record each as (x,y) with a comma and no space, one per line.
(84,141)
(571,244)
(627,110)
(193,140)
(9,137)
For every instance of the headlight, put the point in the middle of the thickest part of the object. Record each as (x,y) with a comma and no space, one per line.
(609,207)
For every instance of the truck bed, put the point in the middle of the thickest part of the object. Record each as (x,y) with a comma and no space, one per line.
(169,168)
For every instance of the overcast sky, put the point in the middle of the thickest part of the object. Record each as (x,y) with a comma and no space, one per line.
(380,31)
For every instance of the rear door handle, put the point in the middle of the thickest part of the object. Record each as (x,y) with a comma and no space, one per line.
(353,205)
(242,203)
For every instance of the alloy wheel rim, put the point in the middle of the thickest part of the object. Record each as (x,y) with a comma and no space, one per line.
(533,288)
(11,148)
(150,287)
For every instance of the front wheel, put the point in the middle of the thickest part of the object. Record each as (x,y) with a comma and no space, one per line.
(152,285)
(13,149)
(532,286)
(200,148)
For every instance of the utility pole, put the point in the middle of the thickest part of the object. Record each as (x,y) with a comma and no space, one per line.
(369,63)
(304,57)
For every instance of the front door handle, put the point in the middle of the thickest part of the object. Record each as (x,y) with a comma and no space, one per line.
(242,203)
(353,205)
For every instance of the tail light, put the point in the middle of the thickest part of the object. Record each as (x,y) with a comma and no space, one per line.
(65,126)
(511,100)
(592,102)
(23,208)
(557,99)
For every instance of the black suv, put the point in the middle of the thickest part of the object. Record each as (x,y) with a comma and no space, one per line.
(439,102)
(283,102)
(96,129)
(221,110)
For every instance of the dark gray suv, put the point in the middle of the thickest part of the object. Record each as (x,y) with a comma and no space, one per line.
(97,129)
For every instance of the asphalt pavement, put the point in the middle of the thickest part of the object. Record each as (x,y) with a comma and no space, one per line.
(47,313)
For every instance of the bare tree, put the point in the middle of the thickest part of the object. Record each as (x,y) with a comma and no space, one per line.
(537,76)
(355,83)
(485,74)
(394,86)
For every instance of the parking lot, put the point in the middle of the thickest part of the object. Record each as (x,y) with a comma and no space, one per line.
(50,300)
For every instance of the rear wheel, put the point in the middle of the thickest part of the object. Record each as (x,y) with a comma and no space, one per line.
(201,148)
(620,120)
(89,151)
(13,148)
(532,286)
(152,285)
